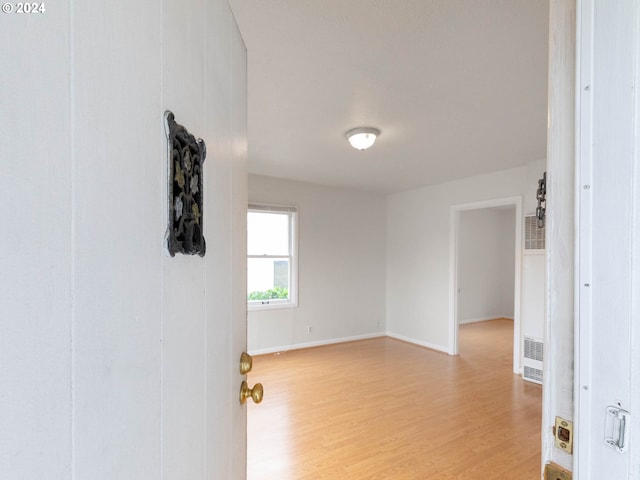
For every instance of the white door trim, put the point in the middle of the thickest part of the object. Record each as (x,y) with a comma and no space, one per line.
(582,317)
(453,272)
(608,273)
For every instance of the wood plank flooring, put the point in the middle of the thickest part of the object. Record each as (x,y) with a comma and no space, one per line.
(385,409)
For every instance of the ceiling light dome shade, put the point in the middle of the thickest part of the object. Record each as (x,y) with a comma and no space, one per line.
(362,138)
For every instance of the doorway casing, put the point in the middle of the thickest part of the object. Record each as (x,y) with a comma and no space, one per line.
(454,226)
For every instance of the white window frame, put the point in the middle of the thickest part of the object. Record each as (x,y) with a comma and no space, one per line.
(292,301)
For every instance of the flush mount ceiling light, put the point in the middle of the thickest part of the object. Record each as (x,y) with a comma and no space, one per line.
(362,138)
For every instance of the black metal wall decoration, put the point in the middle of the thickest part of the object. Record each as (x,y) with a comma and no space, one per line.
(186,155)
(541,195)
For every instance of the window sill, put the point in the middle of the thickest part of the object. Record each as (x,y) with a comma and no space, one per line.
(253,307)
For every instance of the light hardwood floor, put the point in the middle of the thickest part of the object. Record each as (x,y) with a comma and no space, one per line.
(385,409)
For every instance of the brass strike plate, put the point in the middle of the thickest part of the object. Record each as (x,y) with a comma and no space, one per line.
(556,472)
(563,433)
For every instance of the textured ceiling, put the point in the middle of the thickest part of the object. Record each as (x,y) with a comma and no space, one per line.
(457,87)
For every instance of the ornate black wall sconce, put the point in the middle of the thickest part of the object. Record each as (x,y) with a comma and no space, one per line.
(541,195)
(186,155)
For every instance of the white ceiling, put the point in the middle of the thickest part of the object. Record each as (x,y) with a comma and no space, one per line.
(458,88)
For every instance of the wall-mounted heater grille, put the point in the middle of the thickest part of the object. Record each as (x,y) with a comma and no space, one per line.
(532,363)
(533,235)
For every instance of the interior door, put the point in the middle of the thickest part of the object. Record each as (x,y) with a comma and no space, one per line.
(226,172)
(607,239)
(239,257)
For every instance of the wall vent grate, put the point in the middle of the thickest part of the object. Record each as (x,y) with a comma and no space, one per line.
(533,236)
(533,349)
(532,374)
(532,362)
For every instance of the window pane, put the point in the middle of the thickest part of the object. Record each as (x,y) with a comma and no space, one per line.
(267,233)
(268,278)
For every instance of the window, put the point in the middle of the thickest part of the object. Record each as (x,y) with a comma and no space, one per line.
(271,256)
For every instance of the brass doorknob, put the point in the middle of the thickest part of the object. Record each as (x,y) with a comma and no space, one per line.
(255,393)
(246,363)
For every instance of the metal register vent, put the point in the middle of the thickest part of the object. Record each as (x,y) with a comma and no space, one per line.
(533,235)
(533,356)
(533,349)
(532,374)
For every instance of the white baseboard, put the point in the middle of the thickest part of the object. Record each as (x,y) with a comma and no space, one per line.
(319,343)
(421,343)
(299,346)
(483,319)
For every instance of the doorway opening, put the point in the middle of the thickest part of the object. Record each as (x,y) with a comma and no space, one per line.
(473,263)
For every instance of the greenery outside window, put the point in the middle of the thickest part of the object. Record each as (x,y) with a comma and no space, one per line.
(271,256)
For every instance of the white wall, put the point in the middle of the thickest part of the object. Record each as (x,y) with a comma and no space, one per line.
(115,358)
(486,264)
(342,269)
(507,225)
(418,248)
